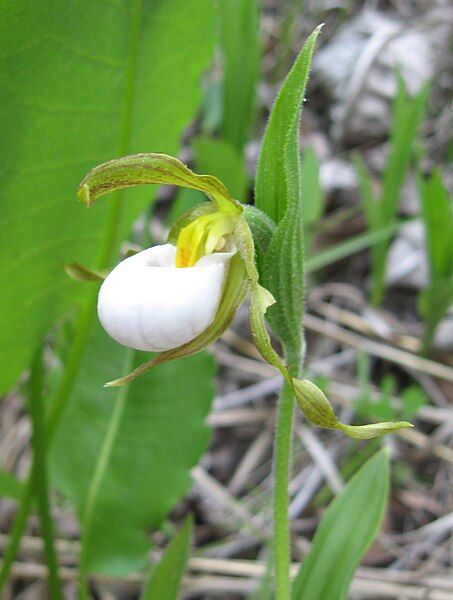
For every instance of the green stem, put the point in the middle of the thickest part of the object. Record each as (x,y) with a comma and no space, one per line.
(40,480)
(18,529)
(98,477)
(82,332)
(282,470)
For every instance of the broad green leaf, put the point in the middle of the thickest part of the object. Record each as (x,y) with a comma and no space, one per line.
(346,531)
(241,48)
(81,82)
(162,435)
(278,194)
(166,578)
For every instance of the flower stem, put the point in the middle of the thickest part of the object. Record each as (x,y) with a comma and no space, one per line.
(282,469)
(82,332)
(100,469)
(40,480)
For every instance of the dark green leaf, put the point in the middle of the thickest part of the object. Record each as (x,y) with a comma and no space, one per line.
(241,46)
(161,437)
(346,531)
(82,82)
(166,578)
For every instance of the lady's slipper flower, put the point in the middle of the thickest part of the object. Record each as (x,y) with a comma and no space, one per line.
(147,303)
(180,297)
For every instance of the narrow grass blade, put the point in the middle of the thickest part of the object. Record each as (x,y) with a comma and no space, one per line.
(166,578)
(351,246)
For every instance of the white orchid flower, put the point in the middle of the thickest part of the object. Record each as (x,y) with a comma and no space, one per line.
(148,303)
(178,298)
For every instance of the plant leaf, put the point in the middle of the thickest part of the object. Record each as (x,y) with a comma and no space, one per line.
(81,82)
(161,436)
(346,531)
(438,219)
(278,194)
(166,578)
(241,47)
(311,190)
(278,164)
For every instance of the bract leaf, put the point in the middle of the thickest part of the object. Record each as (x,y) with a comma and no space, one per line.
(278,194)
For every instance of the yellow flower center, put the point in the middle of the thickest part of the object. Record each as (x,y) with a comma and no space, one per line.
(204,235)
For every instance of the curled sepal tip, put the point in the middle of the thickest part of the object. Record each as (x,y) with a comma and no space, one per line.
(151,168)
(367,432)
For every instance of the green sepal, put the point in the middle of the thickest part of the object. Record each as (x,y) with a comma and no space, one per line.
(235,289)
(311,400)
(79,272)
(374,430)
(318,410)
(152,168)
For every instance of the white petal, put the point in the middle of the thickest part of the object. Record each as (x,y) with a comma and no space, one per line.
(147,303)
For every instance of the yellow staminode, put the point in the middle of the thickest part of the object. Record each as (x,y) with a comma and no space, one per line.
(204,235)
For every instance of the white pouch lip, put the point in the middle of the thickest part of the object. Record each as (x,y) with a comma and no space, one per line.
(146,303)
